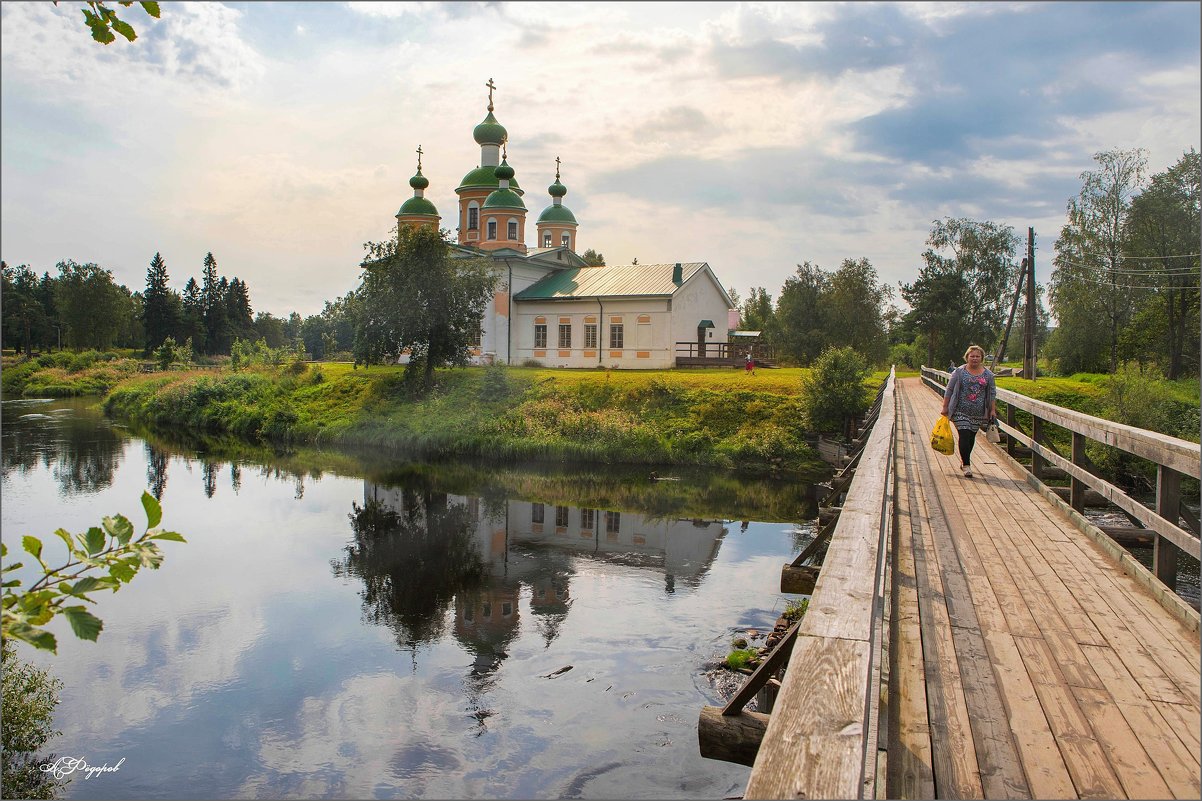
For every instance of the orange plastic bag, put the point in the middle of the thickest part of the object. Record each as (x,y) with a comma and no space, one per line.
(941,436)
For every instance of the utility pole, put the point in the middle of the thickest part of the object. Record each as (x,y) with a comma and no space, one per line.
(1018,291)
(1029,339)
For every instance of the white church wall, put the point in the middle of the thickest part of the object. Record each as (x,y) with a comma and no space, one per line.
(699,299)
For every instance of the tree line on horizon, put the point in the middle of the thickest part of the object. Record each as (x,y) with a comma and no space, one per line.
(1124,285)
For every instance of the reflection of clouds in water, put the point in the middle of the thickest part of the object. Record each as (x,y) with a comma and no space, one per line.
(132,674)
(378,733)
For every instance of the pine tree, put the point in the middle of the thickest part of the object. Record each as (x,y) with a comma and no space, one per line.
(158,311)
(192,326)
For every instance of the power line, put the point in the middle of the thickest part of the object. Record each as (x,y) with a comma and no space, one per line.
(1116,285)
(1146,258)
(1168,271)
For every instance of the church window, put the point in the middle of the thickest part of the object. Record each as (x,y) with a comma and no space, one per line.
(565,336)
(473,218)
(561,516)
(613,521)
(536,513)
(588,518)
(540,336)
(566,240)
(474,338)
(547,239)
(513,230)
(492,229)
(616,336)
(590,336)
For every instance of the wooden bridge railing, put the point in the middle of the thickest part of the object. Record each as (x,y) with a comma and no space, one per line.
(1173,457)
(821,738)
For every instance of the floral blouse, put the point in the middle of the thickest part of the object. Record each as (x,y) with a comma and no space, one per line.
(971,397)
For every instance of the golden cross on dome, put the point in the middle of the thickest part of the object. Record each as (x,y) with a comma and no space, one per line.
(490,86)
(557,168)
(419,158)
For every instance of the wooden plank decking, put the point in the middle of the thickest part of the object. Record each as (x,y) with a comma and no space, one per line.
(1024,661)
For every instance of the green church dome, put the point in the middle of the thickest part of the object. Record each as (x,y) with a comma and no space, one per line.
(419,181)
(504,199)
(504,172)
(485,177)
(557,189)
(557,214)
(418,205)
(490,132)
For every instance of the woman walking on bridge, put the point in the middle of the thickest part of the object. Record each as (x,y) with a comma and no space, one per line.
(970,402)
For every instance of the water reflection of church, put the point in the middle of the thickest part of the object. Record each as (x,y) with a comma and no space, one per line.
(537,545)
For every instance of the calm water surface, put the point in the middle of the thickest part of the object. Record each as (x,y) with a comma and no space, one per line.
(341,627)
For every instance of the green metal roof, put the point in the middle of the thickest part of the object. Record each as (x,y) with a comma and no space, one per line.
(636,280)
(503,199)
(418,205)
(485,177)
(706,324)
(555,213)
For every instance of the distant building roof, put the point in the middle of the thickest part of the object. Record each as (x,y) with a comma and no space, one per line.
(642,280)
(745,333)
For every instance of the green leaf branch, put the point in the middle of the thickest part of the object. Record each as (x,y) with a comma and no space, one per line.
(103,20)
(110,549)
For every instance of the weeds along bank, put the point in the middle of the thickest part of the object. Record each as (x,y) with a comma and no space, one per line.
(717,418)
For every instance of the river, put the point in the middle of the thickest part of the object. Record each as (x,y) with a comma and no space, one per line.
(340,625)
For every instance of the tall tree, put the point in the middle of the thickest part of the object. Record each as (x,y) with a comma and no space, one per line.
(239,316)
(1086,283)
(857,302)
(158,311)
(270,329)
(757,314)
(1162,245)
(801,313)
(91,305)
(192,322)
(415,297)
(25,318)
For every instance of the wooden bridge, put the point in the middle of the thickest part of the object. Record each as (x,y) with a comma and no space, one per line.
(978,637)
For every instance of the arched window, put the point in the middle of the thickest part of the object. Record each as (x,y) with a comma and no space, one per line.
(566,239)
(492,229)
(547,239)
(473,218)
(513,229)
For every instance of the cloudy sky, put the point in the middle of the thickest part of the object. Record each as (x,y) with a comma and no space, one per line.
(753,136)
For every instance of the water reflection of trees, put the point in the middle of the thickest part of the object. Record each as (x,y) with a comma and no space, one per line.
(72,439)
(412,562)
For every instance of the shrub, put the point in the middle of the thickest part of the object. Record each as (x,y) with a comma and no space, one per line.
(30,696)
(833,393)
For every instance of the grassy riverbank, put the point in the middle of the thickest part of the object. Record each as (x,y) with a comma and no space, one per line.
(713,418)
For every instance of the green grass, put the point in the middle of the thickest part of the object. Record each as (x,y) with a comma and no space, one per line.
(713,418)
(741,658)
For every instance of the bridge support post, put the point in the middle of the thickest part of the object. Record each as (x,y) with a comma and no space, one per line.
(1077,488)
(1012,422)
(1168,503)
(1037,461)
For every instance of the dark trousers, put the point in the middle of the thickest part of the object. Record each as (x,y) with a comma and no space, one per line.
(968,438)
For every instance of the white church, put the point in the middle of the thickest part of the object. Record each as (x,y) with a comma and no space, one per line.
(550,306)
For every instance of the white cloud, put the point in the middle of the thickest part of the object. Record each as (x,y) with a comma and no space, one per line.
(222,129)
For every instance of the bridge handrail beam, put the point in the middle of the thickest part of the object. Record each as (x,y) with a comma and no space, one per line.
(820,732)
